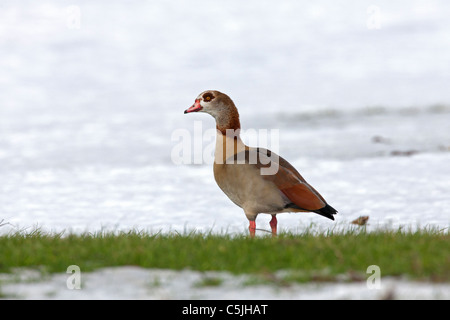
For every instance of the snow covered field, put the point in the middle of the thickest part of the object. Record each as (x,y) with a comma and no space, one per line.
(90,94)
(140,283)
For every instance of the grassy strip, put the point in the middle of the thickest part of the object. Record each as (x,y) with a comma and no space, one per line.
(423,254)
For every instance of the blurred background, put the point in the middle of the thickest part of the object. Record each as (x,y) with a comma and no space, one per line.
(91,92)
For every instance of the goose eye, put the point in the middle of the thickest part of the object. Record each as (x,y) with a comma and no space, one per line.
(208,97)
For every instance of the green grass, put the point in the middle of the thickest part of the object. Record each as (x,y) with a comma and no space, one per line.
(421,255)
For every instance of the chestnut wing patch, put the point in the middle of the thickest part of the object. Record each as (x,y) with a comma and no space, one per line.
(302,196)
(287,179)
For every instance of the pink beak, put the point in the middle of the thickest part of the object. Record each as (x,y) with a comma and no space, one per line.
(195,107)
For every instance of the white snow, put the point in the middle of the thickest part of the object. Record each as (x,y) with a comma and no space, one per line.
(91,94)
(139,283)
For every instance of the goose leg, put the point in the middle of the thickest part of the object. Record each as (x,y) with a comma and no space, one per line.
(252,228)
(273,225)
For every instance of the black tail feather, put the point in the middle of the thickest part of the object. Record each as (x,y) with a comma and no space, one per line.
(327,211)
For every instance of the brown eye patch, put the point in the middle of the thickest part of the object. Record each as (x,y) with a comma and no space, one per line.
(208,96)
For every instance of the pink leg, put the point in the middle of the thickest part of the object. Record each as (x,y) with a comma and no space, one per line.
(252,228)
(273,225)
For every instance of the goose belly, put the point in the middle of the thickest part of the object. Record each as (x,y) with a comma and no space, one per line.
(245,186)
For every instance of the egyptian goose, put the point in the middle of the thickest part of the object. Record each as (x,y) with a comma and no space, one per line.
(239,169)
